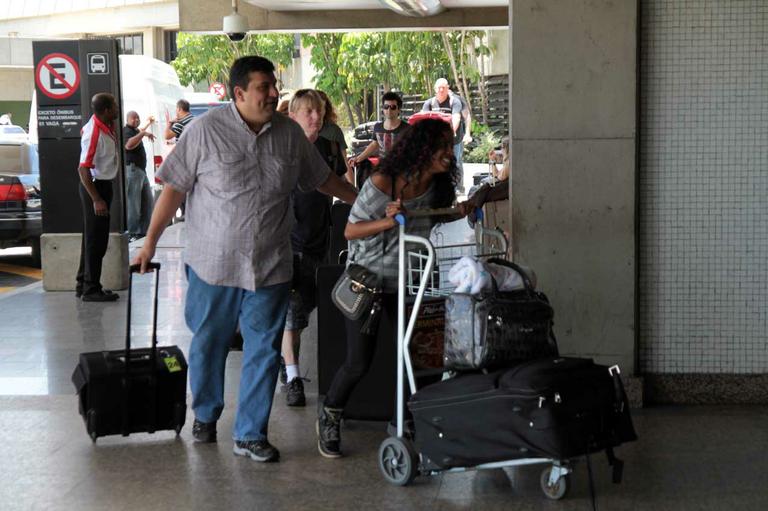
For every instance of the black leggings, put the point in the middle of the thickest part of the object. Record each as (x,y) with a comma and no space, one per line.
(360,350)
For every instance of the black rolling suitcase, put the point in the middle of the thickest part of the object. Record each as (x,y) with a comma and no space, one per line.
(338,243)
(374,396)
(557,408)
(133,390)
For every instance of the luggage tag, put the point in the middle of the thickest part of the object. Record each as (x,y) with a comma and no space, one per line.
(172,364)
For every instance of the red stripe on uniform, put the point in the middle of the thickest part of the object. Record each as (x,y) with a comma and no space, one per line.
(88,163)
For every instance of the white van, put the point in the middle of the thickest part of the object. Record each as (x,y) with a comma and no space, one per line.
(150,87)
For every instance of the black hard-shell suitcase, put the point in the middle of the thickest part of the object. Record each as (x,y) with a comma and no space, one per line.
(133,390)
(374,396)
(557,408)
(338,243)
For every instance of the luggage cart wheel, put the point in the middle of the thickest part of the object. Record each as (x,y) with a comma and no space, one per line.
(557,490)
(398,461)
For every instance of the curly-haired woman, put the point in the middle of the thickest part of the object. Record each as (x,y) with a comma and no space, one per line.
(419,172)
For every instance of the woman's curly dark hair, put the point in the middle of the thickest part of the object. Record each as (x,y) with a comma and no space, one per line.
(412,154)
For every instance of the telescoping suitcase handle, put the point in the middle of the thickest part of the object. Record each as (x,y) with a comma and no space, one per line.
(136,268)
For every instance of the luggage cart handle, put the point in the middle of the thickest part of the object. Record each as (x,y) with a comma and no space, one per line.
(401,218)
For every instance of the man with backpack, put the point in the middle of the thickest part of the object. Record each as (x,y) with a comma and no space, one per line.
(446,102)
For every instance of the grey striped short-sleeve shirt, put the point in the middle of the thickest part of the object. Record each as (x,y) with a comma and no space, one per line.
(238,183)
(379,253)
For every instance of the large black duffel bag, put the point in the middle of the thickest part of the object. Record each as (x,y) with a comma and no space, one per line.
(498,328)
(557,408)
(132,390)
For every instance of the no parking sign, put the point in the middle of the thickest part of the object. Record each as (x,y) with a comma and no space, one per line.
(218,89)
(57,76)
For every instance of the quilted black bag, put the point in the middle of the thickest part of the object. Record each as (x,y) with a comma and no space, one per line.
(498,328)
(355,291)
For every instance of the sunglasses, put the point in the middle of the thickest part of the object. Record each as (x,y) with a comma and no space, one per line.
(389,107)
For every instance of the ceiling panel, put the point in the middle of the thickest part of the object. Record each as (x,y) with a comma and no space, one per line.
(327,5)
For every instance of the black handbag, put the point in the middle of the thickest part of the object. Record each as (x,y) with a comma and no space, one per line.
(498,329)
(355,291)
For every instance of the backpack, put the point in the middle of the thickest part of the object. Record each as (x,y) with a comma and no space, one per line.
(435,106)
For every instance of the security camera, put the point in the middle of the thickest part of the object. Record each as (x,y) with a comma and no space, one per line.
(235,25)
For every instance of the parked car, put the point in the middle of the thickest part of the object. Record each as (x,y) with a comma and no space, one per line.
(12,135)
(198,109)
(21,221)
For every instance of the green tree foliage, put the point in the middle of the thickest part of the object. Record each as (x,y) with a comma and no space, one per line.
(325,57)
(208,57)
(486,140)
(350,66)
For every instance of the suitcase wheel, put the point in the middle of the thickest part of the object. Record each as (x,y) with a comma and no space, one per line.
(180,413)
(557,490)
(398,461)
(90,425)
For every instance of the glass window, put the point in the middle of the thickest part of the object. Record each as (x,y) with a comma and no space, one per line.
(171,49)
(130,44)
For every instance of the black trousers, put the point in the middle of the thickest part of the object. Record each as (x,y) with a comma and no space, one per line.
(360,350)
(95,239)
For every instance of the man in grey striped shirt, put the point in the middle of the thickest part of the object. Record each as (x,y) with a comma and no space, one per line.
(238,166)
(183,117)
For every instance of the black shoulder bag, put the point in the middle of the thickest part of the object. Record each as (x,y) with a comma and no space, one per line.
(357,293)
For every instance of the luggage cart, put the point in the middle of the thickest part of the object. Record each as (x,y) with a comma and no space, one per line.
(418,276)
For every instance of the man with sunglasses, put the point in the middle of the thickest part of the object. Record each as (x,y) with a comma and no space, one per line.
(385,132)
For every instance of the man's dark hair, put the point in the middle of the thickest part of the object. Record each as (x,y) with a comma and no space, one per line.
(101,102)
(183,105)
(393,96)
(242,67)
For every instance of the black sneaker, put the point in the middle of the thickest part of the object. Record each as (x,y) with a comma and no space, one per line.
(294,393)
(204,432)
(328,428)
(100,296)
(257,450)
(283,373)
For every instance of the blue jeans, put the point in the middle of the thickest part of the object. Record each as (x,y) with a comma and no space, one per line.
(458,152)
(212,314)
(138,200)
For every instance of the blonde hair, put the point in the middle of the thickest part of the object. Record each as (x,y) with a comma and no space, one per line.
(306,97)
(330,112)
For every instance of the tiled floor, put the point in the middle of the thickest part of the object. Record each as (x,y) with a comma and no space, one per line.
(702,458)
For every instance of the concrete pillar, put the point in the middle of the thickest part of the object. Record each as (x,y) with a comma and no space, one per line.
(573,138)
(61,258)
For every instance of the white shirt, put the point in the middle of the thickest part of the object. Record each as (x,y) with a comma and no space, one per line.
(98,149)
